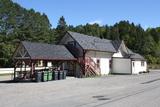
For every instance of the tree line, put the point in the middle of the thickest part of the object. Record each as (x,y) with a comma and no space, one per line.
(19,24)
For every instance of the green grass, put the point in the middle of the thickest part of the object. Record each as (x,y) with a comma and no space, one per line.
(154,66)
(7,74)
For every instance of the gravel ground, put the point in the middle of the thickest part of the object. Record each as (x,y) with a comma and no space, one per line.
(111,91)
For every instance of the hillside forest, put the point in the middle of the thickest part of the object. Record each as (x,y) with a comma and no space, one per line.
(20,24)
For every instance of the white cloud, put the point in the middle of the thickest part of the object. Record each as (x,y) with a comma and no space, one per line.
(96,21)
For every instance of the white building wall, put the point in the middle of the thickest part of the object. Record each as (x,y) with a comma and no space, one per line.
(105,69)
(118,54)
(97,54)
(121,66)
(104,58)
(137,67)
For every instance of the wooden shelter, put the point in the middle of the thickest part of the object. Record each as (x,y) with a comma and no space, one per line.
(28,54)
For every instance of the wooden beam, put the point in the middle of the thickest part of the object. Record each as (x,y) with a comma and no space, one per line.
(32,68)
(21,58)
(15,66)
(14,78)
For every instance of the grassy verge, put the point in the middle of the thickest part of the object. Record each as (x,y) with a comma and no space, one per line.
(154,66)
(7,74)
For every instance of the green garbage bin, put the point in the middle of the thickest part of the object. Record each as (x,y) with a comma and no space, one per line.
(49,76)
(45,76)
(55,75)
(38,76)
(60,75)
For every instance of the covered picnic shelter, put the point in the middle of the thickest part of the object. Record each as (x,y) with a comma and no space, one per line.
(28,54)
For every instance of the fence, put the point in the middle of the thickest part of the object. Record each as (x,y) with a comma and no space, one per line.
(6,70)
(11,70)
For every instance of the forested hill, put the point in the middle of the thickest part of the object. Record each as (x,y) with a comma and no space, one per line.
(18,23)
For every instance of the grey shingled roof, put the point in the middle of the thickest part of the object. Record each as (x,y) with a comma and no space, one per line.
(116,44)
(134,55)
(137,56)
(93,43)
(127,54)
(47,51)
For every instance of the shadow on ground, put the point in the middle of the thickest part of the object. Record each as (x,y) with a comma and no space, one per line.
(12,81)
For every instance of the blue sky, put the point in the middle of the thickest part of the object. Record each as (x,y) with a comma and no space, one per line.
(76,12)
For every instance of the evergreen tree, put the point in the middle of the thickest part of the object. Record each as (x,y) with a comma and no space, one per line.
(61,29)
(17,24)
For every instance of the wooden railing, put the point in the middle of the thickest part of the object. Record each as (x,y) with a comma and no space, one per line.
(88,67)
(92,69)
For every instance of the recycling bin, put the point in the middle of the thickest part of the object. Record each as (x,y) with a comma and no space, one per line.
(60,75)
(45,76)
(38,76)
(55,75)
(49,76)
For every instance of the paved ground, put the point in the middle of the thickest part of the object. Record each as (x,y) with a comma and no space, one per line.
(111,91)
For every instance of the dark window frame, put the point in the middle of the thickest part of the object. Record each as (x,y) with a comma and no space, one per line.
(133,64)
(142,63)
(98,62)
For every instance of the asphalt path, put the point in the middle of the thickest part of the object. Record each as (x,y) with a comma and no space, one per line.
(109,91)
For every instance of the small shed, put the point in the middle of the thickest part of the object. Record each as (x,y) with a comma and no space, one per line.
(125,61)
(28,54)
(133,64)
(128,65)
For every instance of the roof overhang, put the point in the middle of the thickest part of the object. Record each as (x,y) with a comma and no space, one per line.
(138,59)
(99,50)
(54,59)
